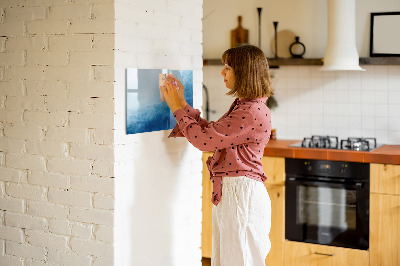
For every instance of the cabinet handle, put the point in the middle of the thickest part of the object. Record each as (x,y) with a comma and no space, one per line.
(324,254)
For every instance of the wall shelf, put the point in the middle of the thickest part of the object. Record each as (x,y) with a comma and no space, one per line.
(274,63)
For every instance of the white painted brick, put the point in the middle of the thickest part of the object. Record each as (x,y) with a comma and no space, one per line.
(70,12)
(69,166)
(12,29)
(21,43)
(133,43)
(98,120)
(105,260)
(11,88)
(46,209)
(48,179)
(91,89)
(101,136)
(46,118)
(24,13)
(81,73)
(25,221)
(12,234)
(68,258)
(25,103)
(2,44)
(47,58)
(103,41)
(2,158)
(11,260)
(32,262)
(95,216)
(192,23)
(25,191)
(82,230)
(25,161)
(103,11)
(91,26)
(23,73)
(93,184)
(11,117)
(24,132)
(46,2)
(25,250)
(46,27)
(91,58)
(103,202)
(11,59)
(69,197)
(92,151)
(46,240)
(12,204)
(64,134)
(56,149)
(104,169)
(2,192)
(60,227)
(96,105)
(71,42)
(104,233)
(91,247)
(12,145)
(56,103)
(104,73)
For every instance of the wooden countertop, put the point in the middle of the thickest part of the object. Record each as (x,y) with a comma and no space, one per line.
(389,154)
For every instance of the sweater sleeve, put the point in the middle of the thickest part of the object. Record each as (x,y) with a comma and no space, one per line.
(231,130)
(193,113)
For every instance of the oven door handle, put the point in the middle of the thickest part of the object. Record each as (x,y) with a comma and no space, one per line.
(357,185)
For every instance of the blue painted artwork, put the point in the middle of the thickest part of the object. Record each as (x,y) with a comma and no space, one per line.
(146,111)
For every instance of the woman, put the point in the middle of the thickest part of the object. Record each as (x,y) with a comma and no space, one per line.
(242,208)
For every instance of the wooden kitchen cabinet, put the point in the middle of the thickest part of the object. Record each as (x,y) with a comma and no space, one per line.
(274,168)
(305,254)
(384,237)
(385,178)
(206,225)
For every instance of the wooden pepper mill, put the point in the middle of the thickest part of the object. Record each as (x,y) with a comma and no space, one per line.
(239,35)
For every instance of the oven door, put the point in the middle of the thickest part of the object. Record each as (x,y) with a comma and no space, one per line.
(327,213)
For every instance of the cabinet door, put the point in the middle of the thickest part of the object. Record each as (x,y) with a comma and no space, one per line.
(206,226)
(385,178)
(384,229)
(277,233)
(304,254)
(274,168)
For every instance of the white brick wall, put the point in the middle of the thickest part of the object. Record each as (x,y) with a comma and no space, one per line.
(56,132)
(156,177)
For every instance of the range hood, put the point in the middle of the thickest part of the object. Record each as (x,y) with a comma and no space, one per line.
(341,51)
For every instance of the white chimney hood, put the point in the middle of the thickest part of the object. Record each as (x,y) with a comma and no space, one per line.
(341,51)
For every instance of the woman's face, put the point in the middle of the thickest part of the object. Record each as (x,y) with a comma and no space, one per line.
(229,76)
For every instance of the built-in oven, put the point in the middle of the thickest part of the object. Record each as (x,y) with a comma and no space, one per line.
(327,202)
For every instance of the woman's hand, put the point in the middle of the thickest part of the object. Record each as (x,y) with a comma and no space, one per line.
(171,95)
(181,91)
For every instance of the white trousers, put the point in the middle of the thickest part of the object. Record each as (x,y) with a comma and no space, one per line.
(241,223)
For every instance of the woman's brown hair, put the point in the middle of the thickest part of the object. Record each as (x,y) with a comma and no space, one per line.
(250,66)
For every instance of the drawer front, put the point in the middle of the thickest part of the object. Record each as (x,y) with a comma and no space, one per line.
(297,253)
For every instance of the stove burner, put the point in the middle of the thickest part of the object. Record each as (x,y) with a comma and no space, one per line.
(328,142)
(332,142)
(358,144)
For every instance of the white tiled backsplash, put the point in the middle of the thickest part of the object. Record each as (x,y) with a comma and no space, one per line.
(314,102)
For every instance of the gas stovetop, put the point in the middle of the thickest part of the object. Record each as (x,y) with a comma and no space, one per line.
(332,142)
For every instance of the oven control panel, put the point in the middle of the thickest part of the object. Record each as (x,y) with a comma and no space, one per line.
(336,169)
